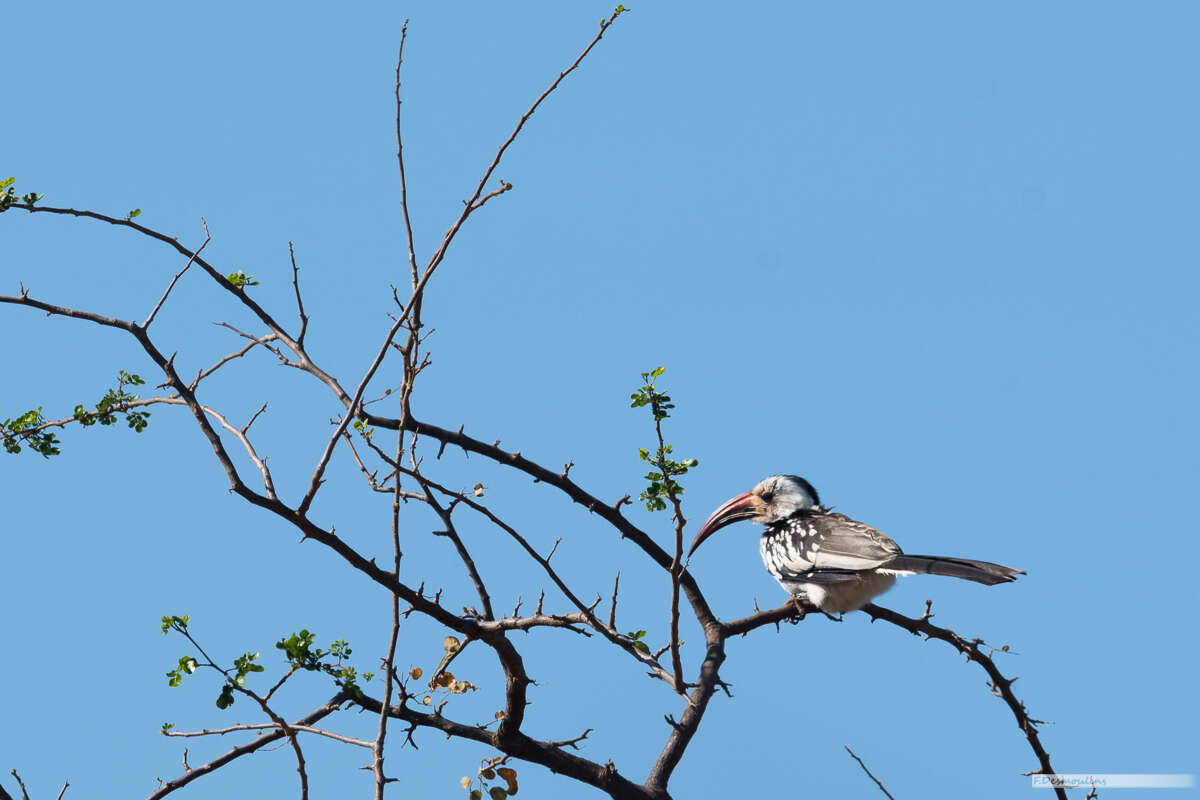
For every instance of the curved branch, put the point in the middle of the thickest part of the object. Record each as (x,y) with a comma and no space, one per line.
(249,747)
(1001,686)
(548,754)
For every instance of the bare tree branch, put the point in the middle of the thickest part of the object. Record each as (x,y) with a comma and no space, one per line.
(21,783)
(299,301)
(408,231)
(178,275)
(204,373)
(973,650)
(353,407)
(451,533)
(548,754)
(869,775)
(249,747)
(271,726)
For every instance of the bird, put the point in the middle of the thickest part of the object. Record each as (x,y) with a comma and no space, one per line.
(836,563)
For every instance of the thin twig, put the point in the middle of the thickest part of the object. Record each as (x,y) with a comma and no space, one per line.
(269,726)
(251,746)
(869,775)
(299,302)
(408,231)
(21,783)
(178,275)
(204,373)
(451,533)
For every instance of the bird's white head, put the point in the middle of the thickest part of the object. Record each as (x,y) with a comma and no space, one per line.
(775,498)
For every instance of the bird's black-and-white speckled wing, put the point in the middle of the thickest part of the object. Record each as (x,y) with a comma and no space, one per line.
(820,546)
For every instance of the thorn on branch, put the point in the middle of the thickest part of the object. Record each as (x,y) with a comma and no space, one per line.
(612,612)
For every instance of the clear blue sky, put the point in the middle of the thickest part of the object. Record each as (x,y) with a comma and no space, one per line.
(938,259)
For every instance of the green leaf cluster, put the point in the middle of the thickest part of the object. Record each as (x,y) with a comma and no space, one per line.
(113,402)
(662,485)
(637,637)
(8,197)
(187,665)
(243,665)
(241,280)
(300,653)
(648,395)
(22,428)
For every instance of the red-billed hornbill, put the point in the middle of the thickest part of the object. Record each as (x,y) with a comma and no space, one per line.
(838,564)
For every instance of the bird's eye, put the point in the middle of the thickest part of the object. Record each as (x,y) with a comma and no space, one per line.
(767,495)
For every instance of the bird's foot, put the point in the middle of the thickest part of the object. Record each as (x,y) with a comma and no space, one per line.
(801,612)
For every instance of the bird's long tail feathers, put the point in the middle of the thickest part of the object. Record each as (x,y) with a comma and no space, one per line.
(978,571)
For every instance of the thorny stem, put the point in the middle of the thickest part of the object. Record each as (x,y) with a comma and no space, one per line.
(676,569)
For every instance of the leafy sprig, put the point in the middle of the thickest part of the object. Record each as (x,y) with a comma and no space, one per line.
(300,653)
(22,428)
(8,196)
(114,401)
(28,428)
(298,648)
(241,280)
(662,485)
